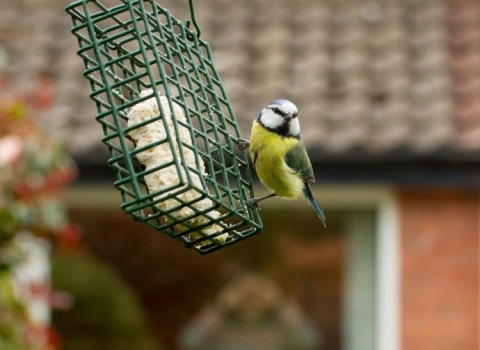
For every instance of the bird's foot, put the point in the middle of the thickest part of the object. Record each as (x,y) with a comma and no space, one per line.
(243,144)
(253,202)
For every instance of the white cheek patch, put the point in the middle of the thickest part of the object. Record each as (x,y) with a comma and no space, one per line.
(294,127)
(270,119)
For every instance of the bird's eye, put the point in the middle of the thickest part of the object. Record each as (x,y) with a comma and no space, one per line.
(278,111)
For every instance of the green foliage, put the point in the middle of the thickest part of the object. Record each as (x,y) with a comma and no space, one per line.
(11,315)
(33,168)
(105,314)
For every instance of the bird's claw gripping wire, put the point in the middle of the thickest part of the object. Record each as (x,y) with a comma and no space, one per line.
(243,144)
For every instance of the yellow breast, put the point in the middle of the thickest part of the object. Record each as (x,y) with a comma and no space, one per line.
(268,150)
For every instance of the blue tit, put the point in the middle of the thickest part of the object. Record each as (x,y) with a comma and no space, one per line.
(279,155)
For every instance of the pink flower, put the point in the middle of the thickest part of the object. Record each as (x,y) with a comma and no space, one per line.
(11,147)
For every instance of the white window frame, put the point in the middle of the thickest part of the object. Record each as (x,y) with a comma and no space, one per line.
(384,201)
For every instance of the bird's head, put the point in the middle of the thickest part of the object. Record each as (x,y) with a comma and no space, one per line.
(280,116)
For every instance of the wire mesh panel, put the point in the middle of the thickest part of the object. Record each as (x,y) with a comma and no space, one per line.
(168,124)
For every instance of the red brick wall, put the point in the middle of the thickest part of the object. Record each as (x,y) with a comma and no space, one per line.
(440,269)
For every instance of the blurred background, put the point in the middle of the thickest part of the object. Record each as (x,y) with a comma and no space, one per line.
(387,93)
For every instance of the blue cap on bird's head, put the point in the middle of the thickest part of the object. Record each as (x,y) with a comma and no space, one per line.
(279,102)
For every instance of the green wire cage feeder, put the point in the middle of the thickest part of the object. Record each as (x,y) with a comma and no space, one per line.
(167,121)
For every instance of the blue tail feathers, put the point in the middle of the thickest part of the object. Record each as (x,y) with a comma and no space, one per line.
(308,193)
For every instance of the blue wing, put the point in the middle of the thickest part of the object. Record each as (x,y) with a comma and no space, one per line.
(297,159)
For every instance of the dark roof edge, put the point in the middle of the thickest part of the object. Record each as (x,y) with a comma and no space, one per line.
(398,155)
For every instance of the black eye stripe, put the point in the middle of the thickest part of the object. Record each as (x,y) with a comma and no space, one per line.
(279,111)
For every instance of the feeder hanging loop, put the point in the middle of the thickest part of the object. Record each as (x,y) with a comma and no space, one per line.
(195,24)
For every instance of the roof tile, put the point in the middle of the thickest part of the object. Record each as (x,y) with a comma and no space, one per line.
(376,75)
